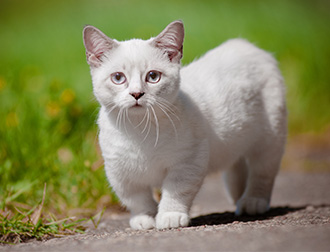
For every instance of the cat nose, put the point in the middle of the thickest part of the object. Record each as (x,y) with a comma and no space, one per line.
(137,95)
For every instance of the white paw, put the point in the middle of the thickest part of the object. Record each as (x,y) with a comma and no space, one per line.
(252,206)
(171,220)
(139,222)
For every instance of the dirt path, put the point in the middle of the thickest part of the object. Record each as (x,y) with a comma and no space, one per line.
(299,220)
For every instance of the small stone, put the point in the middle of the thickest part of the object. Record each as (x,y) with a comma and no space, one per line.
(310,208)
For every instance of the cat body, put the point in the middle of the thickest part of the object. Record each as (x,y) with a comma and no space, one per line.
(166,126)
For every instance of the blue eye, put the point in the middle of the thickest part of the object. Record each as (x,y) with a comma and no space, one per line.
(118,78)
(153,76)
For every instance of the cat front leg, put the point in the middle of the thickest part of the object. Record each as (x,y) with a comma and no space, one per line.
(179,190)
(143,209)
(140,202)
(142,222)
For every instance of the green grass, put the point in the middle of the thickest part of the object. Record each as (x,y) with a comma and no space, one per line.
(47,130)
(18,228)
(19,223)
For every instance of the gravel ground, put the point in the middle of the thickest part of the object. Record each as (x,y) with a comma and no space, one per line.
(299,220)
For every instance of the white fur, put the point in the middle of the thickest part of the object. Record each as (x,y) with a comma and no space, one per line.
(227,112)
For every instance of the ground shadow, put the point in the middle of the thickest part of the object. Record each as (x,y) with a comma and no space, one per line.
(230,217)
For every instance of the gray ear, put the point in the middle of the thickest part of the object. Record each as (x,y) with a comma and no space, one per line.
(171,40)
(96,44)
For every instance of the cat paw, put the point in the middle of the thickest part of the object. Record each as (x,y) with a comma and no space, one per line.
(252,206)
(139,222)
(171,220)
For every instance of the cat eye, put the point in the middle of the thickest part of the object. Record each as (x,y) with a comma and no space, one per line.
(118,78)
(153,76)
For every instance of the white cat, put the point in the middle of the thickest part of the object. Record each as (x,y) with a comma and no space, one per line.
(163,126)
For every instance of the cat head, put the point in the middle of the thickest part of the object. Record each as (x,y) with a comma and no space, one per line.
(135,74)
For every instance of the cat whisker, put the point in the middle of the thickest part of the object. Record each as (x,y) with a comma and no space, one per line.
(127,115)
(169,107)
(124,120)
(140,123)
(171,111)
(119,118)
(169,104)
(147,121)
(109,103)
(157,125)
(163,108)
(111,106)
(148,124)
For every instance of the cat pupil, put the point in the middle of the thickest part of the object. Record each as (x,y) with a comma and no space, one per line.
(153,75)
(118,76)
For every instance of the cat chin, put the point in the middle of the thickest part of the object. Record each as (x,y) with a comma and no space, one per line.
(137,110)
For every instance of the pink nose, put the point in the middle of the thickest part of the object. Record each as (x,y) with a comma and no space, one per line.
(137,95)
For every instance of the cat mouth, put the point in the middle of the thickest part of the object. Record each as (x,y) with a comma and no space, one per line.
(137,108)
(137,105)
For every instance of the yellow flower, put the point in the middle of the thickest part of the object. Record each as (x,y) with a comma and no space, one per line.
(53,109)
(2,83)
(12,120)
(67,96)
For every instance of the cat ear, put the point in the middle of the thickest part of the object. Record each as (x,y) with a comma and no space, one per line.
(171,40)
(96,44)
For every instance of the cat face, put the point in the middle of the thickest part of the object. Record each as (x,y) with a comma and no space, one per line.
(135,74)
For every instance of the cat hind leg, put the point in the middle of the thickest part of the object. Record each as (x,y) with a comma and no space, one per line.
(263,166)
(235,179)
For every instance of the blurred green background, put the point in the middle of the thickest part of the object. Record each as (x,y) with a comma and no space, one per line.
(47,110)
